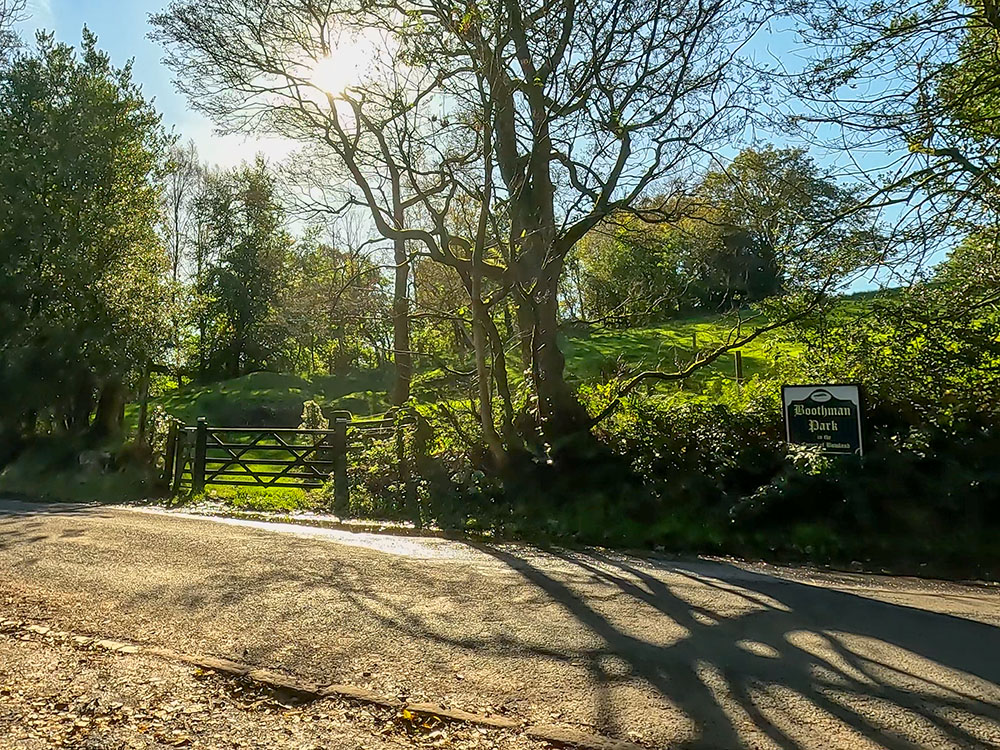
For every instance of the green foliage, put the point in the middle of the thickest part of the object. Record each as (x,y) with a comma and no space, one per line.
(246,250)
(272,399)
(627,272)
(708,470)
(598,354)
(376,484)
(312,417)
(332,311)
(928,357)
(774,222)
(969,87)
(62,469)
(11,11)
(82,298)
(771,222)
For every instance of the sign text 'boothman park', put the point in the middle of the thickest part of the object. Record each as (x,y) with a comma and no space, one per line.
(828,416)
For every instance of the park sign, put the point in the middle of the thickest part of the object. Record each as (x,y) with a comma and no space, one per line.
(827,416)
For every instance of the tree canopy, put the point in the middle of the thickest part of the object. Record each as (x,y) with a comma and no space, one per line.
(82,293)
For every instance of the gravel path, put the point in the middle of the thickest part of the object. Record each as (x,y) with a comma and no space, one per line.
(665,654)
(54,694)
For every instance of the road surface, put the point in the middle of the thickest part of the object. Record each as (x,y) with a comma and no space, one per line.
(700,654)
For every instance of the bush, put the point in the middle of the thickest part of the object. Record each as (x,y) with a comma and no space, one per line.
(50,468)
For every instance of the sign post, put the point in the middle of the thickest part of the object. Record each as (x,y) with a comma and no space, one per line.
(828,416)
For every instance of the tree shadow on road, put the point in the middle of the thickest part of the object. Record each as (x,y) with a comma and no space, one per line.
(16,530)
(691,655)
(774,663)
(798,651)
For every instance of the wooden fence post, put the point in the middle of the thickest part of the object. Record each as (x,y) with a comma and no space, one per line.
(180,459)
(341,487)
(169,453)
(200,449)
(409,489)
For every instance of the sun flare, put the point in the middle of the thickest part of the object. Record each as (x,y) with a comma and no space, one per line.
(350,61)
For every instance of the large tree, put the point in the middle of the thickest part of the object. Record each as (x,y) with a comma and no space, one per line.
(182,186)
(333,307)
(11,11)
(768,223)
(912,90)
(81,293)
(547,116)
(247,248)
(773,221)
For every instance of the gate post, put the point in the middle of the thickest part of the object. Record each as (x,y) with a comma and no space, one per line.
(181,456)
(341,486)
(200,449)
(169,455)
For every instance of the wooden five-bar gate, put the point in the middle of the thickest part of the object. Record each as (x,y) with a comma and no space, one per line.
(268,456)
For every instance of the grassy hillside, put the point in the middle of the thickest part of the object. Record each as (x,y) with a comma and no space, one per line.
(594,354)
(602,353)
(591,354)
(267,398)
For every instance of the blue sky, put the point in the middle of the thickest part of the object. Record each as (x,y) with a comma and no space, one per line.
(121,27)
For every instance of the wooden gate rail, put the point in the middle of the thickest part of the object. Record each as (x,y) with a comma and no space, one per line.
(208,455)
(203,455)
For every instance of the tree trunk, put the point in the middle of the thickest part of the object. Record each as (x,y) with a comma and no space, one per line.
(500,377)
(483,375)
(110,417)
(525,321)
(202,363)
(82,404)
(402,357)
(561,413)
(143,404)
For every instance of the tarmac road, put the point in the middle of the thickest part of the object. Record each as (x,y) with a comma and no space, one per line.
(692,654)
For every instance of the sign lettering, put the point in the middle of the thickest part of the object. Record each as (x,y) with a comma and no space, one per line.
(828,416)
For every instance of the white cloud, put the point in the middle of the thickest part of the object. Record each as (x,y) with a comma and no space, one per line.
(231,150)
(41,14)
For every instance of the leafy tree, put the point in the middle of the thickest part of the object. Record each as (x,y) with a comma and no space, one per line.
(631,272)
(767,224)
(247,249)
(557,116)
(928,355)
(80,260)
(333,308)
(441,327)
(933,93)
(772,222)
(182,185)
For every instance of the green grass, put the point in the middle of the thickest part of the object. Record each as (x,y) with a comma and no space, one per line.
(267,398)
(591,355)
(603,353)
(264,499)
(274,399)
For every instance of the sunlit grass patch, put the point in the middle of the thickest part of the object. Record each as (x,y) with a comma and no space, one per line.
(264,499)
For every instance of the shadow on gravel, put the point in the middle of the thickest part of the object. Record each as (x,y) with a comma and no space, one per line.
(800,651)
(795,662)
(757,661)
(15,531)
